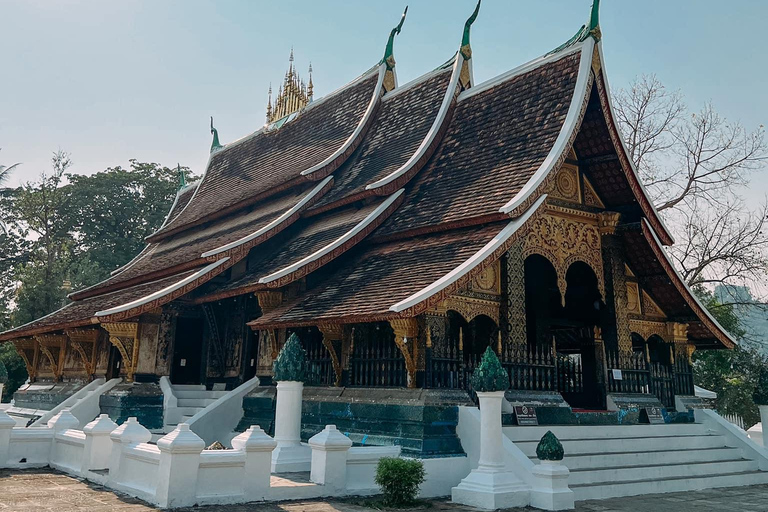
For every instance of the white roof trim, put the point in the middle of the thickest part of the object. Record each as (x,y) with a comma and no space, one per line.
(436,124)
(363,122)
(460,271)
(409,85)
(690,292)
(297,207)
(163,292)
(336,243)
(574,111)
(524,68)
(624,147)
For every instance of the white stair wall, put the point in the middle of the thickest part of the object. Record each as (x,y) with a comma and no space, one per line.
(612,461)
(84,404)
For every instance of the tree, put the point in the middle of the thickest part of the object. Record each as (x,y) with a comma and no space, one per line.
(5,171)
(42,210)
(732,374)
(113,211)
(694,165)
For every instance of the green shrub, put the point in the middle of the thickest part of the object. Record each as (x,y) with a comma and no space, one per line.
(399,479)
(3,373)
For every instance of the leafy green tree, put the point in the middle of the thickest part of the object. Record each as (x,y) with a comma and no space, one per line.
(113,211)
(17,372)
(732,374)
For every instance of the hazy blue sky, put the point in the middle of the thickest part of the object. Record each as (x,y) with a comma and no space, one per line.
(109,81)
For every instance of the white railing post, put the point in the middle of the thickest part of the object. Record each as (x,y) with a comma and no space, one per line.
(258,447)
(329,458)
(130,432)
(6,428)
(64,420)
(98,445)
(290,455)
(179,464)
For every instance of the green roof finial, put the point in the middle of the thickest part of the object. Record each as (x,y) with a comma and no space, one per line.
(389,58)
(182,176)
(215,144)
(466,51)
(594,21)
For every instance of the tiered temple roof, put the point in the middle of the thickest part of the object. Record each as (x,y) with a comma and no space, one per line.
(385,198)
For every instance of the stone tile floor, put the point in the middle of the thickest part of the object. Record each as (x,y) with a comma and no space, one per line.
(47,490)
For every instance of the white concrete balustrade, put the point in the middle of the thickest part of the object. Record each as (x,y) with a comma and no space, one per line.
(178,471)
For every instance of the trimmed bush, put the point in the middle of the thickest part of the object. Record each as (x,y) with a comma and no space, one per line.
(490,375)
(291,362)
(400,480)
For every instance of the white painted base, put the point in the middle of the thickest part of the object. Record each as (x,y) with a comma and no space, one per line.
(550,491)
(291,458)
(491,490)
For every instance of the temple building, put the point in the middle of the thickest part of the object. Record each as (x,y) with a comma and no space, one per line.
(400,230)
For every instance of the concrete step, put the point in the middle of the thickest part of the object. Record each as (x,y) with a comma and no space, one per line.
(636,488)
(187,387)
(653,472)
(198,393)
(627,459)
(633,444)
(516,433)
(195,402)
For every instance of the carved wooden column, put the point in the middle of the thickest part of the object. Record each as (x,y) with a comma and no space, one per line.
(268,343)
(123,335)
(614,320)
(85,342)
(53,347)
(513,324)
(332,339)
(601,367)
(436,345)
(406,338)
(29,351)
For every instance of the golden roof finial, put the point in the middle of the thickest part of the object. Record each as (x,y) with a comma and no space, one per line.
(293,94)
(310,86)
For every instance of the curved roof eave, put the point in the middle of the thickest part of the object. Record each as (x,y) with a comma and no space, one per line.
(567,131)
(428,141)
(690,298)
(417,302)
(163,296)
(649,209)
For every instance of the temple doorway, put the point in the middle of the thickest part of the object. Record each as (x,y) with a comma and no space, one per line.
(188,351)
(560,333)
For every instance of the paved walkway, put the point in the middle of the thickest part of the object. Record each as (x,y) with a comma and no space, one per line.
(47,490)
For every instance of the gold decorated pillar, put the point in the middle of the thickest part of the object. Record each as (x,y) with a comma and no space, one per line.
(53,347)
(513,325)
(85,342)
(268,300)
(332,341)
(406,338)
(615,319)
(124,336)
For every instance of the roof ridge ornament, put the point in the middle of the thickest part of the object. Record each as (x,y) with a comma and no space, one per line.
(182,176)
(389,57)
(215,145)
(466,50)
(592,29)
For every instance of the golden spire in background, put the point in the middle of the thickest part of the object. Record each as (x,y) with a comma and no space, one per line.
(292,96)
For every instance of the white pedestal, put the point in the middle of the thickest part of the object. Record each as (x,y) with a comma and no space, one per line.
(491,485)
(551,490)
(290,455)
(764,421)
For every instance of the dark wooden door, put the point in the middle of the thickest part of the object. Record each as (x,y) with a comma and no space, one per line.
(188,351)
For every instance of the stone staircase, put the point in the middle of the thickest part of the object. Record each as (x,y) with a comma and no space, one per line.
(630,460)
(192,399)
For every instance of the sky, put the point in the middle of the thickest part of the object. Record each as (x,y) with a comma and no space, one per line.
(111,81)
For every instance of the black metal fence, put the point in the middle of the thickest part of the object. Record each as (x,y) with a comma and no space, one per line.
(377,361)
(319,364)
(532,368)
(633,374)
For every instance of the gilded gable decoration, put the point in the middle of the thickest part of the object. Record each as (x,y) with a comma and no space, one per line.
(590,196)
(565,236)
(650,308)
(633,298)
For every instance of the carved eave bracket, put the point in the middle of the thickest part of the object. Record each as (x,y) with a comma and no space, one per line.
(332,336)
(406,334)
(85,342)
(29,351)
(53,347)
(269,300)
(124,336)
